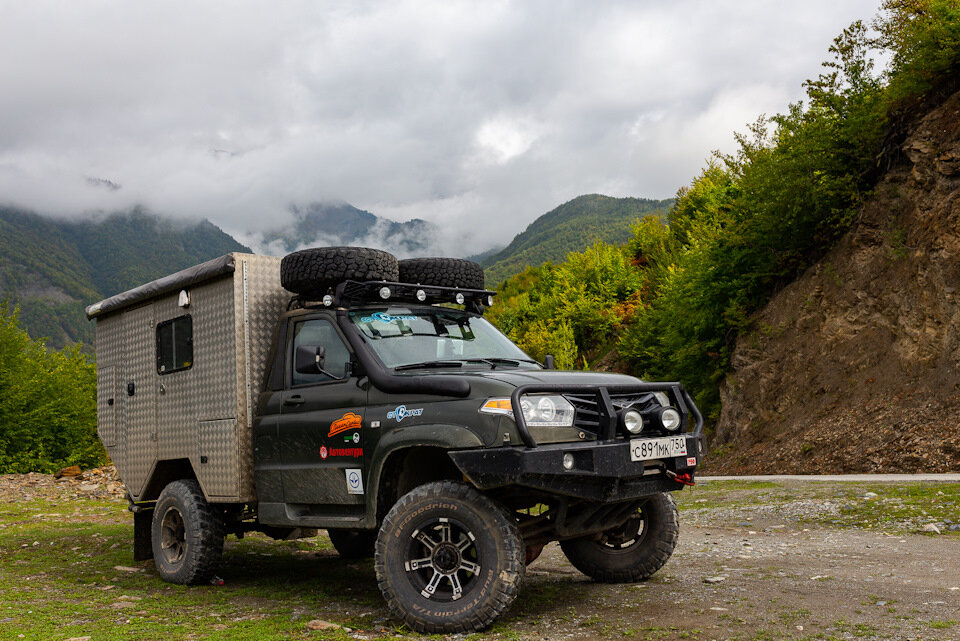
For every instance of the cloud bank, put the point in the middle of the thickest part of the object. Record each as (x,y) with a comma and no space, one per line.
(476,116)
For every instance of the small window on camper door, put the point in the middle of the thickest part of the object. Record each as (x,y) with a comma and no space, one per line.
(175,345)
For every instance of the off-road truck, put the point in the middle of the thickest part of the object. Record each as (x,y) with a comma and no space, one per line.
(340,389)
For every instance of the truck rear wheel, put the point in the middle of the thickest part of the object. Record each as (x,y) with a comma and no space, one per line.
(353,544)
(187,534)
(311,272)
(442,272)
(632,552)
(449,559)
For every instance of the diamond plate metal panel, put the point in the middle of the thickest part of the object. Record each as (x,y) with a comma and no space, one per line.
(139,409)
(205,410)
(219,451)
(107,405)
(109,348)
(262,299)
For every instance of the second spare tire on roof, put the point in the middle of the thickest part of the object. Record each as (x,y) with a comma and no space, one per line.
(311,272)
(442,272)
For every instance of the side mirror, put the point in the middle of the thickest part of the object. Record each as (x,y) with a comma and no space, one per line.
(310,359)
(548,362)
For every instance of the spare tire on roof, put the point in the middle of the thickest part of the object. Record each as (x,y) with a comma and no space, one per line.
(442,272)
(311,272)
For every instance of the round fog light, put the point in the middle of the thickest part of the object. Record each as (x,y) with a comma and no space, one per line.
(568,461)
(421,295)
(384,293)
(670,418)
(460,298)
(327,300)
(633,421)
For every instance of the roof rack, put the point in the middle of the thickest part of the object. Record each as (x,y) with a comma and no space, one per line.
(352,292)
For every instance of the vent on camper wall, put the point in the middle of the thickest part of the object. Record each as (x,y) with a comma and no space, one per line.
(352,292)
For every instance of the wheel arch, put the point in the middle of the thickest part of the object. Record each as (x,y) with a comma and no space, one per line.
(412,456)
(164,473)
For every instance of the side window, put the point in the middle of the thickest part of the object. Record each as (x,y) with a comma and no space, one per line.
(320,332)
(175,345)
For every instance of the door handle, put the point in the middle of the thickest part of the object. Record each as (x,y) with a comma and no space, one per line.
(293,400)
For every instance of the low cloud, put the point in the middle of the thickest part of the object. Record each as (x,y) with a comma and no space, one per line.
(477,117)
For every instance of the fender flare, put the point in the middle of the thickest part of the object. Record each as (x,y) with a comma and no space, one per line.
(447,437)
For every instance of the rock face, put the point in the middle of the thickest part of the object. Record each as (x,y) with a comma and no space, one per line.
(855,367)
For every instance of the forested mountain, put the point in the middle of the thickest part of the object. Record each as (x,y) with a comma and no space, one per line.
(572,226)
(805,287)
(53,268)
(340,223)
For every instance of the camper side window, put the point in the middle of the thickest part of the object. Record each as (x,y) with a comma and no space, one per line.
(175,345)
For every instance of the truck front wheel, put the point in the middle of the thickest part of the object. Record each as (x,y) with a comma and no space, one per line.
(449,559)
(632,552)
(187,534)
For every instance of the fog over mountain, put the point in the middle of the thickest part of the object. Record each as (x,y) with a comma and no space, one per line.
(474,116)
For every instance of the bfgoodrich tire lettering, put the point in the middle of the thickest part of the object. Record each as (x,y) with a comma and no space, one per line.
(311,272)
(186,534)
(442,272)
(448,559)
(632,552)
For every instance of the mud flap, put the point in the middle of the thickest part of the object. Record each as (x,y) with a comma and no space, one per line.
(142,545)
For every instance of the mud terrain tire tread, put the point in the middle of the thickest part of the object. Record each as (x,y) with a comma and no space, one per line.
(637,563)
(203,534)
(442,272)
(499,528)
(353,544)
(311,272)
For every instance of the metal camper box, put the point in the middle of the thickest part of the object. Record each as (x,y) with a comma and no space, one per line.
(155,422)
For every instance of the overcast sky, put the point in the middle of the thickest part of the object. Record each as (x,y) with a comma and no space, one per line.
(479,116)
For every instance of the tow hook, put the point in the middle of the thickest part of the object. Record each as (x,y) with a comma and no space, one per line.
(684,478)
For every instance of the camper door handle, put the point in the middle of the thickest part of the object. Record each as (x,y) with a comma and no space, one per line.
(293,400)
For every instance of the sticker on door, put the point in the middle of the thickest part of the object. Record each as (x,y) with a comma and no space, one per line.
(354,481)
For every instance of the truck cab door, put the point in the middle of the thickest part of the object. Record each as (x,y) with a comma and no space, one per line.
(321,429)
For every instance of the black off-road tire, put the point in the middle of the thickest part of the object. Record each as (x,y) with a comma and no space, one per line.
(475,540)
(442,272)
(354,544)
(311,272)
(625,555)
(186,534)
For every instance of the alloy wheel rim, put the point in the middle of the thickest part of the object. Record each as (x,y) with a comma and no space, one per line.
(443,560)
(173,536)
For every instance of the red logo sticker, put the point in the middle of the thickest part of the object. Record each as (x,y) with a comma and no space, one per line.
(349,452)
(348,421)
(323,452)
(692,461)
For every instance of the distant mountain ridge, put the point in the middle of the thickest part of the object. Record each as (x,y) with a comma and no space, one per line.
(573,226)
(340,223)
(53,269)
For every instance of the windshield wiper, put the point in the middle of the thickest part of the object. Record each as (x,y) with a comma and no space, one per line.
(493,361)
(428,364)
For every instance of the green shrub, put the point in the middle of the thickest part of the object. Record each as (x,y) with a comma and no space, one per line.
(48,417)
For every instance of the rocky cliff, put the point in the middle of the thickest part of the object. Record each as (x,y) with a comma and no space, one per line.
(855,367)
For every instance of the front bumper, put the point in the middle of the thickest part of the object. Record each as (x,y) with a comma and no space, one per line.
(603,469)
(601,472)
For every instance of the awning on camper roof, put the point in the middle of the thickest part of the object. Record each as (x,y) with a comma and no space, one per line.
(154,289)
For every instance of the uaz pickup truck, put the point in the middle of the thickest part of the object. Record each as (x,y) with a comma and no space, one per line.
(341,389)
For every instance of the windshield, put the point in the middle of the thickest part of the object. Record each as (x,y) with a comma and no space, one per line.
(435,337)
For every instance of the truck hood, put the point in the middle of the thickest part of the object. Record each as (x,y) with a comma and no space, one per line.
(516,378)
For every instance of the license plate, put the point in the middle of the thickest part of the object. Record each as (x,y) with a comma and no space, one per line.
(646,449)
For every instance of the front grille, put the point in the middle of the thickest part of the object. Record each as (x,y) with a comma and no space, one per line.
(588,411)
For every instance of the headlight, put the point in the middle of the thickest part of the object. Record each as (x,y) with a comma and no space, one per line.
(538,411)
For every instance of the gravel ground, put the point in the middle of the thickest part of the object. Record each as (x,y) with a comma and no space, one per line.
(753,563)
